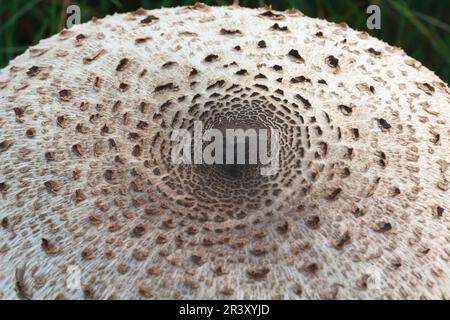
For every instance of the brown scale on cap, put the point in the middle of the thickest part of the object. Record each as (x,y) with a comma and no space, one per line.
(358,208)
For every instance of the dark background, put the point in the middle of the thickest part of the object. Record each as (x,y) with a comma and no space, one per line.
(420,27)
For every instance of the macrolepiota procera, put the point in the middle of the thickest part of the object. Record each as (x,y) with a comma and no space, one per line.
(358,209)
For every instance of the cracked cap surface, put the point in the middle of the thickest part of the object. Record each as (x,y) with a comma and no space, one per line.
(358,209)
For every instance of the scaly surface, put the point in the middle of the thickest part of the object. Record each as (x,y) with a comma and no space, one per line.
(358,209)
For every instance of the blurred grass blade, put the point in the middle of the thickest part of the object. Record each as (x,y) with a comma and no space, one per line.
(18,14)
(438,45)
(117,4)
(431,20)
(13,49)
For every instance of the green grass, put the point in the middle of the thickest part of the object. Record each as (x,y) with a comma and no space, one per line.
(421,28)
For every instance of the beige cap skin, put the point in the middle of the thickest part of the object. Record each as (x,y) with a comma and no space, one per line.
(358,210)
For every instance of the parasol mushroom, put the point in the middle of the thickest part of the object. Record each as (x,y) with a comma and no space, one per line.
(358,209)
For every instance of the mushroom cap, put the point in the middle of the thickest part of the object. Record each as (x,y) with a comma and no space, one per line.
(358,209)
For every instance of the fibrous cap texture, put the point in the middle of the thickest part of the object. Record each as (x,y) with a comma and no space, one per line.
(358,208)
